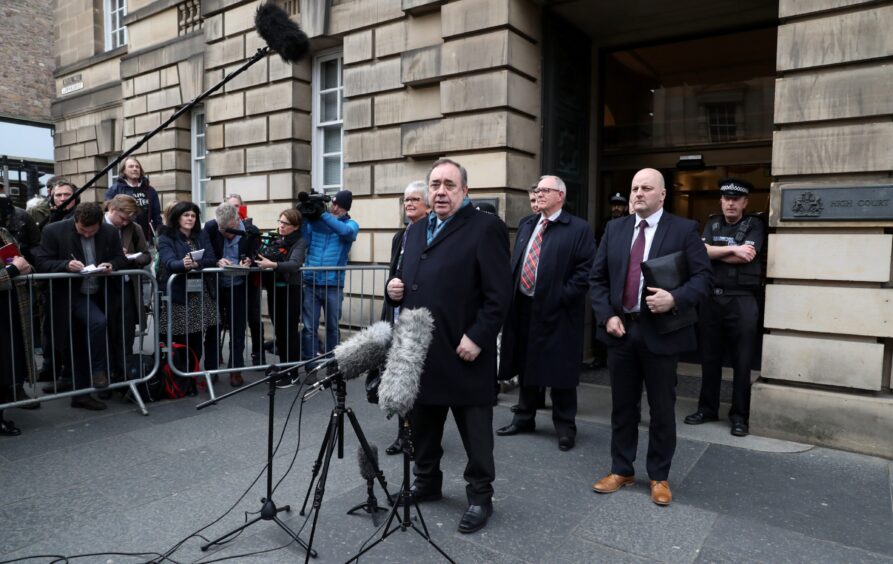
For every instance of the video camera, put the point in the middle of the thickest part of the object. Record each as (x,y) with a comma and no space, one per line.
(311,205)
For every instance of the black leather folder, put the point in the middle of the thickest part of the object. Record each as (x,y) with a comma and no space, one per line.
(668,273)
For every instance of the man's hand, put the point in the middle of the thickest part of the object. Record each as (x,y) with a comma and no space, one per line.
(21,264)
(614,327)
(395,290)
(467,349)
(107,266)
(745,252)
(660,301)
(245,261)
(223,262)
(75,266)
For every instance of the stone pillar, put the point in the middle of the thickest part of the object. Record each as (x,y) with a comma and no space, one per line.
(829,304)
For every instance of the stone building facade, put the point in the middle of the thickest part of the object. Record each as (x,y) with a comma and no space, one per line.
(517,88)
(26,86)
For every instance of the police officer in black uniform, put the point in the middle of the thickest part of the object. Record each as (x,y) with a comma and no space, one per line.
(728,320)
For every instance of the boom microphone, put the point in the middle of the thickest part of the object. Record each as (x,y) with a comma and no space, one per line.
(280,33)
(367,466)
(400,380)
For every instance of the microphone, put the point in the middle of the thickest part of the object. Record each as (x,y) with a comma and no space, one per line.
(401,378)
(364,351)
(368,466)
(280,33)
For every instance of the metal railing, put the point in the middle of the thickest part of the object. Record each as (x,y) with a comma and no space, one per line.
(207,314)
(76,340)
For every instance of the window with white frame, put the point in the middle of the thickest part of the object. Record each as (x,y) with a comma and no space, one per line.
(199,154)
(115,30)
(327,122)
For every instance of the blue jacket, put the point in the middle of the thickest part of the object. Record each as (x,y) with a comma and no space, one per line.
(329,239)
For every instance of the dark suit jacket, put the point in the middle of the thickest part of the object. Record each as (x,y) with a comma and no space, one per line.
(463,277)
(172,247)
(609,275)
(554,349)
(248,244)
(58,243)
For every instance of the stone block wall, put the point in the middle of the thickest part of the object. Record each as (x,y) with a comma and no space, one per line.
(829,303)
(424,80)
(26,50)
(259,126)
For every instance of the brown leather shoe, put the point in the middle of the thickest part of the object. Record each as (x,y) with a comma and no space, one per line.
(235,379)
(613,482)
(660,492)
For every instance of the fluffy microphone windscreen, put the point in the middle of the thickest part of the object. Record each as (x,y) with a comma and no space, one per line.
(280,33)
(367,466)
(364,351)
(402,375)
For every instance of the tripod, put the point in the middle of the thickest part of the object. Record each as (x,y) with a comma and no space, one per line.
(269,511)
(335,437)
(404,499)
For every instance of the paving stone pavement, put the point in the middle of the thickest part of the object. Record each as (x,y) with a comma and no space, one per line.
(79,483)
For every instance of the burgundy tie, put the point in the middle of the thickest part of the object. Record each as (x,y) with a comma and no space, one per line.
(528,269)
(634,270)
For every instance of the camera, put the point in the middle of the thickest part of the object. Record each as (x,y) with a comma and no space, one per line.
(312,205)
(272,247)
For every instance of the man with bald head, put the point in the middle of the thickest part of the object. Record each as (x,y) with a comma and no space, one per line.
(631,321)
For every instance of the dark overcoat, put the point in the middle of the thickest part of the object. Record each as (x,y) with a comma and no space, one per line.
(608,277)
(554,351)
(463,277)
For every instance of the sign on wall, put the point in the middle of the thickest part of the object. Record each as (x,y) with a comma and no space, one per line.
(840,203)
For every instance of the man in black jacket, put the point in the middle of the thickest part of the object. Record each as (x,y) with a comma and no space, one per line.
(542,340)
(233,248)
(83,241)
(456,264)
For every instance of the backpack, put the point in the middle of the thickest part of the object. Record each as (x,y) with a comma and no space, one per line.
(174,386)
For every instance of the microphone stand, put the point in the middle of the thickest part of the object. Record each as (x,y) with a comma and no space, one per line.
(405,499)
(269,511)
(334,436)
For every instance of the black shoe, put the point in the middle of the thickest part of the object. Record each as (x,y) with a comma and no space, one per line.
(100,380)
(515,408)
(565,443)
(61,387)
(9,429)
(740,428)
(421,496)
(699,417)
(513,429)
(395,447)
(88,402)
(475,517)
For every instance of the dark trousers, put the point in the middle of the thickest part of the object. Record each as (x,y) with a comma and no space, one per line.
(207,345)
(88,321)
(122,332)
(254,325)
(475,423)
(530,398)
(631,364)
(233,303)
(285,304)
(727,323)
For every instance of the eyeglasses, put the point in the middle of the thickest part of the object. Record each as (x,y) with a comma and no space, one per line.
(411,200)
(538,191)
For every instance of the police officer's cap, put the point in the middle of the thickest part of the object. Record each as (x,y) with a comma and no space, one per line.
(618,199)
(734,187)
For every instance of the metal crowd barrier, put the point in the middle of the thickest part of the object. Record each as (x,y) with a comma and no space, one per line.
(210,322)
(61,344)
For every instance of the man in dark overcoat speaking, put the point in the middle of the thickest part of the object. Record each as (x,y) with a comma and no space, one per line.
(633,321)
(542,340)
(456,264)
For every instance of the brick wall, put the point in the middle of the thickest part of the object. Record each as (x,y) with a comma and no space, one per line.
(26,83)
